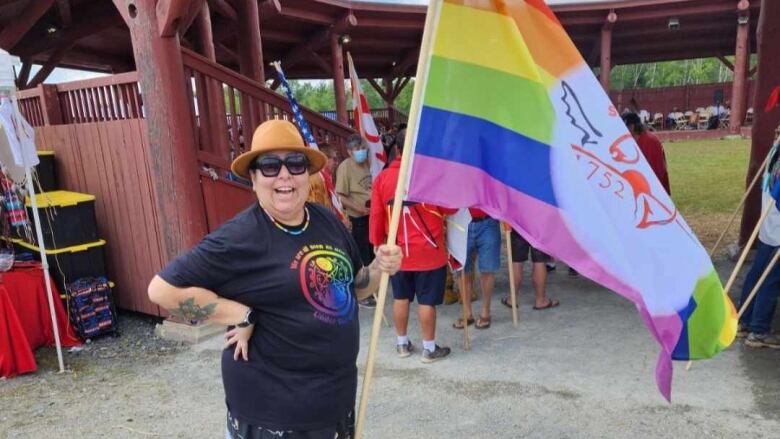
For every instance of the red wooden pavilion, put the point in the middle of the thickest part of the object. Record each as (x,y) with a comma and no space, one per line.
(152,142)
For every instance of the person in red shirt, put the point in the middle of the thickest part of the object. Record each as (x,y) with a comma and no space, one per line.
(423,267)
(651,148)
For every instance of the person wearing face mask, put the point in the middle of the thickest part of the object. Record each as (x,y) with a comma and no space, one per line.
(286,275)
(353,186)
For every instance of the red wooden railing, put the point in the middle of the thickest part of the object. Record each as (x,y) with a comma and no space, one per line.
(226,107)
(114,97)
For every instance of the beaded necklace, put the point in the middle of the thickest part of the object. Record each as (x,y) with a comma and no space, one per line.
(284,229)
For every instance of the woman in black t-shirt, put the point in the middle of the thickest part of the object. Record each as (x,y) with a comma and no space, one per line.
(286,275)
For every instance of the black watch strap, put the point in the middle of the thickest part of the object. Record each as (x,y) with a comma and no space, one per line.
(249,319)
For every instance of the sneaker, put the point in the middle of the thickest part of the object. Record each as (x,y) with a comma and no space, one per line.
(368,303)
(742,331)
(762,341)
(404,350)
(436,355)
(550,267)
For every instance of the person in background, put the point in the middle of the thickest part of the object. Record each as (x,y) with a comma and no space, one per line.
(424,268)
(756,321)
(651,148)
(484,241)
(353,186)
(520,251)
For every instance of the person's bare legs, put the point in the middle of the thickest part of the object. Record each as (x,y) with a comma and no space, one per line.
(427,316)
(401,316)
(486,281)
(466,294)
(539,278)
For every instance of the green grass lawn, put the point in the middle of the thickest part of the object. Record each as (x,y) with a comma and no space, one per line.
(707,176)
(708,180)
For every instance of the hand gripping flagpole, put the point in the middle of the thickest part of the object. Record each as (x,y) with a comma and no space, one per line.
(431,18)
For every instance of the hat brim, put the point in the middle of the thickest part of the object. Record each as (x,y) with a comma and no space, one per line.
(240,165)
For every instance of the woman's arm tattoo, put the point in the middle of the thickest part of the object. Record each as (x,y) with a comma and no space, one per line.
(190,311)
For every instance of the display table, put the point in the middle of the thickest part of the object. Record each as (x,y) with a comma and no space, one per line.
(25,323)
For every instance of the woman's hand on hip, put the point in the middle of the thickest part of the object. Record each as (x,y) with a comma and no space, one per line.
(239,337)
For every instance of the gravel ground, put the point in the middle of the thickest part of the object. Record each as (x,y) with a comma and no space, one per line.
(582,370)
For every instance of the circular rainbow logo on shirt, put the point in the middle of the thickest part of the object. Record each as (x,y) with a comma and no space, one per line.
(326,279)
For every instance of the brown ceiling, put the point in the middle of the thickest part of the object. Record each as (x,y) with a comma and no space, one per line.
(385,34)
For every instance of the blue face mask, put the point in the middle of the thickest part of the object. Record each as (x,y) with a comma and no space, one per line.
(360,155)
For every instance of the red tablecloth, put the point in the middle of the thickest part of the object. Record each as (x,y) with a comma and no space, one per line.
(25,323)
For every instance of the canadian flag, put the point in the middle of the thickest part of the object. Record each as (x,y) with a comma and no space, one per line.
(364,122)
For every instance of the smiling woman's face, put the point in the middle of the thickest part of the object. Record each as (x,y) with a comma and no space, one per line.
(283,195)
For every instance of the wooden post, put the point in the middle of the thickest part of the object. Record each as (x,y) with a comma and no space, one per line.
(215,101)
(337,61)
(466,339)
(180,210)
(741,60)
(512,287)
(764,123)
(250,58)
(50,104)
(606,49)
(205,37)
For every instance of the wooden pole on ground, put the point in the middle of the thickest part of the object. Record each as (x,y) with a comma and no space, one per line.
(466,341)
(434,7)
(512,289)
(759,172)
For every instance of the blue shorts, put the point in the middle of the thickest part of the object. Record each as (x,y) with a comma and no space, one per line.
(428,286)
(484,240)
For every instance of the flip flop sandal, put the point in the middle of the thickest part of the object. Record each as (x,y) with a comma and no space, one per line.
(507,302)
(459,323)
(551,303)
(482,323)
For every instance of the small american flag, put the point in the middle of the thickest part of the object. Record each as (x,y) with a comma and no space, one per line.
(308,137)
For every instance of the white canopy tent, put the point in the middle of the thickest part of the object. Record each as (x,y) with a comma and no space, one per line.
(19,162)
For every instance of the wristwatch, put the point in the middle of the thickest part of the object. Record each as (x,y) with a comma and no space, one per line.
(249,319)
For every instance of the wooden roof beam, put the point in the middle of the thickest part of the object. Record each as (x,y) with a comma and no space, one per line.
(24,74)
(375,23)
(65,12)
(176,15)
(50,64)
(409,59)
(306,15)
(223,8)
(103,16)
(19,26)
(319,39)
(726,62)
(81,60)
(321,63)
(378,89)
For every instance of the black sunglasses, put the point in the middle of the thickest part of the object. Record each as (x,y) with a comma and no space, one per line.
(270,165)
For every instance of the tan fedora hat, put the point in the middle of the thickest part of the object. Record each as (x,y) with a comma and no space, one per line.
(276,135)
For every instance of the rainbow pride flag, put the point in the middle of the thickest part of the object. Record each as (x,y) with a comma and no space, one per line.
(514,122)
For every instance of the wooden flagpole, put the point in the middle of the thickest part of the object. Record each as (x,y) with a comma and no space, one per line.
(512,289)
(431,18)
(466,340)
(749,244)
(759,172)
